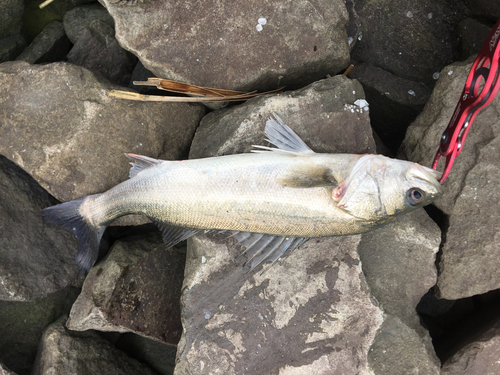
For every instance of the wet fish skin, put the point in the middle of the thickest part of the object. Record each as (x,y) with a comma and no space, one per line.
(289,192)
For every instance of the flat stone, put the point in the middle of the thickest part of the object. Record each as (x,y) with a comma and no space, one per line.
(470,254)
(61,126)
(236,44)
(136,288)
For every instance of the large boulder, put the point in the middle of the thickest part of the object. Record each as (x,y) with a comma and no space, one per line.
(236,44)
(470,257)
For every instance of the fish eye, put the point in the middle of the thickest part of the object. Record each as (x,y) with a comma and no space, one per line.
(415,196)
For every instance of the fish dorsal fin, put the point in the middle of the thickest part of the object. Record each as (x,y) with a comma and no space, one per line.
(284,138)
(173,234)
(140,162)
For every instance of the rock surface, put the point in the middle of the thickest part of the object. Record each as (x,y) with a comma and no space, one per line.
(77,20)
(61,126)
(320,113)
(389,30)
(219,43)
(479,357)
(471,249)
(64,352)
(50,45)
(35,261)
(321,320)
(136,288)
(22,325)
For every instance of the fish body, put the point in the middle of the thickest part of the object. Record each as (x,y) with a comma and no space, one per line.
(273,199)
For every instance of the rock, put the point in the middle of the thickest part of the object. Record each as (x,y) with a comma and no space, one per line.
(97,49)
(50,45)
(322,113)
(158,356)
(5,371)
(470,252)
(11,13)
(22,325)
(64,352)
(35,261)
(410,39)
(489,9)
(311,313)
(473,34)
(219,44)
(61,126)
(399,265)
(135,289)
(11,47)
(394,102)
(77,20)
(397,349)
(479,357)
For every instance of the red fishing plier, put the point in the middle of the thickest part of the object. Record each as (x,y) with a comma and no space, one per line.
(480,88)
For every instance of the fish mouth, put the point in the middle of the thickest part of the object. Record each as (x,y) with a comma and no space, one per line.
(427,175)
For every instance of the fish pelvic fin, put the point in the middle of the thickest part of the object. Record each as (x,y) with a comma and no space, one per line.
(281,136)
(265,248)
(68,216)
(141,162)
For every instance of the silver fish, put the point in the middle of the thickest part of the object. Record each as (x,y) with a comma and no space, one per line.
(273,199)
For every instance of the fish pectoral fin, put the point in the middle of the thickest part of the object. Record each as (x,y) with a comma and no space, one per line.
(308,175)
(265,248)
(173,234)
(141,162)
(284,138)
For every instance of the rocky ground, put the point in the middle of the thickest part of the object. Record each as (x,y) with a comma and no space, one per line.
(419,296)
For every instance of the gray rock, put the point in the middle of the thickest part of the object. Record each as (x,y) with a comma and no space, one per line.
(394,101)
(411,39)
(399,265)
(22,325)
(97,49)
(11,13)
(473,34)
(50,45)
(11,47)
(218,44)
(135,289)
(322,113)
(309,314)
(77,20)
(5,371)
(35,261)
(479,357)
(469,263)
(489,9)
(61,126)
(64,352)
(397,349)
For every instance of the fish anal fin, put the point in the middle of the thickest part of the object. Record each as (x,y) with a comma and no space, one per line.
(308,175)
(140,162)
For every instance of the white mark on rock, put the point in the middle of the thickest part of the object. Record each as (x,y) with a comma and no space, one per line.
(203,259)
(262,21)
(259,27)
(450,72)
(260,316)
(411,92)
(409,14)
(435,75)
(207,313)
(430,15)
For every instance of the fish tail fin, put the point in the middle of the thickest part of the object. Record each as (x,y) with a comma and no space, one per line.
(68,215)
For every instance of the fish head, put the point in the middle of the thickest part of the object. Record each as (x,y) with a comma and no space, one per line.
(379,188)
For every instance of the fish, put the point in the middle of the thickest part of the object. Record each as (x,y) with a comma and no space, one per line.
(270,200)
